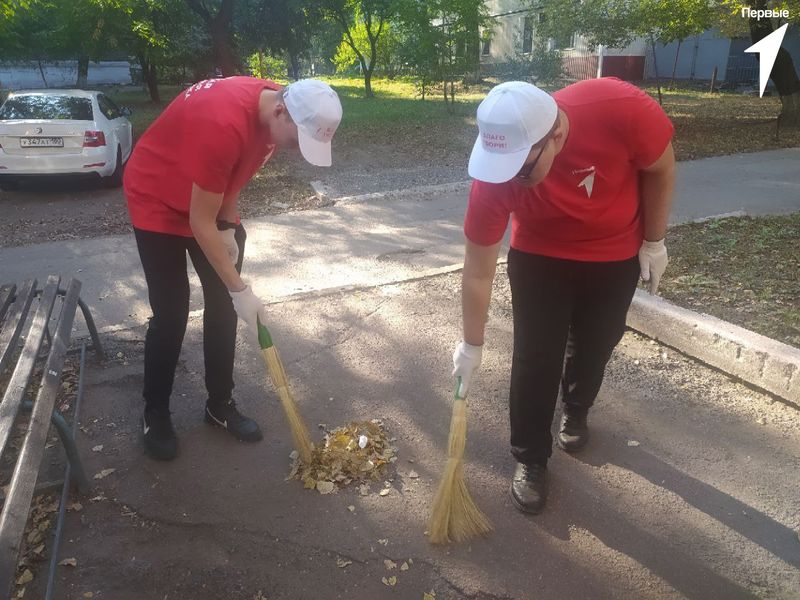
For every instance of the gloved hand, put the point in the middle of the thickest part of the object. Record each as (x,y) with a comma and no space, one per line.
(653,261)
(230,244)
(249,308)
(466,359)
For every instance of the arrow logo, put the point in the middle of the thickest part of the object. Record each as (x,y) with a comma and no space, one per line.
(588,183)
(767,50)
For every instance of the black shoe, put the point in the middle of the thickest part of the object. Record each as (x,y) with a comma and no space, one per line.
(227,416)
(574,431)
(529,488)
(160,441)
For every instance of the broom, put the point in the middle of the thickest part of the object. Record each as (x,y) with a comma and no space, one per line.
(455,516)
(302,441)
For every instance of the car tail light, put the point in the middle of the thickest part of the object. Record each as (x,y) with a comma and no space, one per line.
(94,139)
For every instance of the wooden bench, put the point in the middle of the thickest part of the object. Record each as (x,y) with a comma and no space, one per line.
(28,309)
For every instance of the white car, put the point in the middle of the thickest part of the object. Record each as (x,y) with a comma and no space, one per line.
(57,132)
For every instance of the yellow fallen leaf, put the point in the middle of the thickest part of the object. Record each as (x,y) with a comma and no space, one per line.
(97,448)
(404,567)
(325,487)
(385,492)
(389,564)
(69,562)
(104,473)
(39,549)
(75,506)
(88,594)
(391,581)
(26,577)
(342,563)
(351,508)
(429,595)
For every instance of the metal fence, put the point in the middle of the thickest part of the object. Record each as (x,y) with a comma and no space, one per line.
(742,71)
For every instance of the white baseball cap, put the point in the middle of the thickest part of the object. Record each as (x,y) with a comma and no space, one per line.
(317,112)
(513,117)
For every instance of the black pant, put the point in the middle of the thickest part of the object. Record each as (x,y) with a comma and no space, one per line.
(561,305)
(163,258)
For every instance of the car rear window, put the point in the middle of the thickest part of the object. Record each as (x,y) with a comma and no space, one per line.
(37,106)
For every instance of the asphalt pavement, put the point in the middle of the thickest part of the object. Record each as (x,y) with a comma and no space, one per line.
(687,488)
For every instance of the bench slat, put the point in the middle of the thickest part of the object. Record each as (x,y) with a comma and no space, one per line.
(12,328)
(20,494)
(12,399)
(6,296)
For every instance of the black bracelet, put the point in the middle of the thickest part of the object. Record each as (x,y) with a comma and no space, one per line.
(224,225)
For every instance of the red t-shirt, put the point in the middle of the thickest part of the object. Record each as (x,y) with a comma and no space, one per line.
(209,135)
(587,208)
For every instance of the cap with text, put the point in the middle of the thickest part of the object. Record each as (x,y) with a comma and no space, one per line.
(513,117)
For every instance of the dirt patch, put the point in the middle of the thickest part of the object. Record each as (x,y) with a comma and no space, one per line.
(743,270)
(65,209)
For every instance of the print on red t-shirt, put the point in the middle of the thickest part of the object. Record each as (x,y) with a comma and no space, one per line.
(588,206)
(210,135)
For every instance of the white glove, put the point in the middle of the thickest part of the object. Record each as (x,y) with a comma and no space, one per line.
(230,244)
(653,261)
(249,308)
(466,359)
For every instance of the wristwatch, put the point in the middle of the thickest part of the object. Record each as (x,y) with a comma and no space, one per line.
(224,225)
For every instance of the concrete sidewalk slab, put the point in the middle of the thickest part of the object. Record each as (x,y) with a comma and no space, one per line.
(681,493)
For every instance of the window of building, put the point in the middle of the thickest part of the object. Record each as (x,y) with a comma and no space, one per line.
(527,35)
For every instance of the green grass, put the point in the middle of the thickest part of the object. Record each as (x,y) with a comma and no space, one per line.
(744,270)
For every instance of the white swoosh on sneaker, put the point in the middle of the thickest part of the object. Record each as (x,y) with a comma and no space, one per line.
(222,423)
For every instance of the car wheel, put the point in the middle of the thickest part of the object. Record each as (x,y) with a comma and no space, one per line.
(115,179)
(9,185)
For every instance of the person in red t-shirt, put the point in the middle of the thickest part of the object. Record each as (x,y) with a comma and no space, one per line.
(586,176)
(182,184)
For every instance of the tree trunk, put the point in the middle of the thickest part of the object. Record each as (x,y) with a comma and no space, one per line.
(784,73)
(655,68)
(223,55)
(675,64)
(219,27)
(83,72)
(41,71)
(294,66)
(368,93)
(150,76)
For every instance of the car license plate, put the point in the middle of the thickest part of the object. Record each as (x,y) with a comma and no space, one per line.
(41,142)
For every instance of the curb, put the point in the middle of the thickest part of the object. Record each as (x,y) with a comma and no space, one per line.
(763,362)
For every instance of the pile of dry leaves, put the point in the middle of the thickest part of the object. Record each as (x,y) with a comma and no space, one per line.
(358,452)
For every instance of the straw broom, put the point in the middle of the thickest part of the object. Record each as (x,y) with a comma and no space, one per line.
(302,441)
(455,516)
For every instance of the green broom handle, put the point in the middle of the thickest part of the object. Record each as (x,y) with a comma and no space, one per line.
(264,337)
(458,389)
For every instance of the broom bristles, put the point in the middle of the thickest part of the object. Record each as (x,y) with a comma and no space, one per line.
(455,516)
(297,427)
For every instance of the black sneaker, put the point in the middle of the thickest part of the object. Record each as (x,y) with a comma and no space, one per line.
(160,441)
(228,416)
(573,434)
(529,488)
